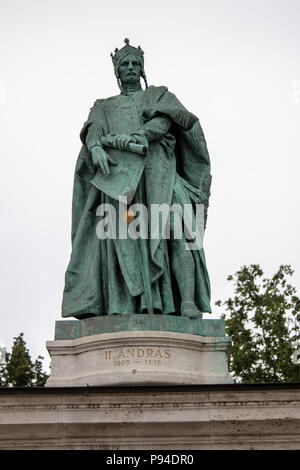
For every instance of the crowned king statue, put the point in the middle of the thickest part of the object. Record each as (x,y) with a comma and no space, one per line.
(140,148)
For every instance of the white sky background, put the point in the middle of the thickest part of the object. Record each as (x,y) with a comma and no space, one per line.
(235,64)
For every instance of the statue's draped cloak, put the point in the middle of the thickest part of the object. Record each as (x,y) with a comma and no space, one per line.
(105,276)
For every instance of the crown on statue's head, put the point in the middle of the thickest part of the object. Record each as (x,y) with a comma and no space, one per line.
(127,49)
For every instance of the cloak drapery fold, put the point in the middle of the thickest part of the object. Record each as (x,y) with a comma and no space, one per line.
(104,276)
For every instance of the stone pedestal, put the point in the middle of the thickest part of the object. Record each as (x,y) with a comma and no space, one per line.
(138,358)
(101,351)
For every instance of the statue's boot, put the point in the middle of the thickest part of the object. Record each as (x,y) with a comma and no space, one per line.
(183,267)
(189,309)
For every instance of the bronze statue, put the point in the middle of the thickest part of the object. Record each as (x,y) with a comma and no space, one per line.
(142,145)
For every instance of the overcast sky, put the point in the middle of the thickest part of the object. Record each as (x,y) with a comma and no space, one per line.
(233,63)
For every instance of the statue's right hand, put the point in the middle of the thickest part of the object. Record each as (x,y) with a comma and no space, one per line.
(101,159)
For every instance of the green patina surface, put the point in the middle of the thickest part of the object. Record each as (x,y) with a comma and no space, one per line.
(110,271)
(72,329)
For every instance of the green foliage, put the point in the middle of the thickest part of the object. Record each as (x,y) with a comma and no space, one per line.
(263,320)
(18,370)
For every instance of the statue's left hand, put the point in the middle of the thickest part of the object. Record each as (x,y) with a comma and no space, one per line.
(141,138)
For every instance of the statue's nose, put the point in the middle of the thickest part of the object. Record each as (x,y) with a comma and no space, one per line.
(130,66)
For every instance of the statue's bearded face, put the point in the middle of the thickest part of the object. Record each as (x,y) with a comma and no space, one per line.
(130,69)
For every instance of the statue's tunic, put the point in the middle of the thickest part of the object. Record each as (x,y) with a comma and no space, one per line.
(108,276)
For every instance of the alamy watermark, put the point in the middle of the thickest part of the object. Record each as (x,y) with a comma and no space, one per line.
(296,92)
(296,354)
(2,354)
(160,221)
(2,92)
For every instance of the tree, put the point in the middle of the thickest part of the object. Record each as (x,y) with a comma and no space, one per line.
(18,370)
(263,320)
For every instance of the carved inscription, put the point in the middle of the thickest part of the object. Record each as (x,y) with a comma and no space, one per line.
(151,356)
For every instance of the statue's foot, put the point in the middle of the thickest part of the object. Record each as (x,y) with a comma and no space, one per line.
(189,309)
